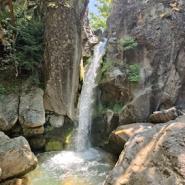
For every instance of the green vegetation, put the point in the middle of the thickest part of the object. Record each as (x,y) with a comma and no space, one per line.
(7,88)
(115,107)
(128,43)
(24,39)
(134,73)
(98,21)
(2,89)
(105,66)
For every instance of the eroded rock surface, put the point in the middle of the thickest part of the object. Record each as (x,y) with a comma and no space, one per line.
(121,135)
(15,156)
(158,28)
(154,156)
(31,108)
(8,111)
(62,55)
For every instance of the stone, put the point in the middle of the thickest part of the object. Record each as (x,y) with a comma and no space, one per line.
(137,110)
(29,132)
(158,30)
(37,142)
(112,120)
(8,111)
(31,108)
(121,135)
(154,156)
(16,157)
(56,121)
(164,115)
(62,56)
(54,145)
(16,181)
(58,138)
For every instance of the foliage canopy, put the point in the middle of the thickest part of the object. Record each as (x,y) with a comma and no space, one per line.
(98,21)
(24,38)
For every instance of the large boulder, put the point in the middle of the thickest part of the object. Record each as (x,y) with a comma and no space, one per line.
(62,55)
(16,157)
(154,156)
(152,67)
(8,111)
(122,134)
(31,108)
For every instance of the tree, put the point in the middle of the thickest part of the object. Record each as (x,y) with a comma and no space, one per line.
(98,21)
(8,3)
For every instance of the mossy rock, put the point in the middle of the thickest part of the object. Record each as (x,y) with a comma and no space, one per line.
(53,145)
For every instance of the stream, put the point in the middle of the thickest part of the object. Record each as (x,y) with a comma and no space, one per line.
(84,165)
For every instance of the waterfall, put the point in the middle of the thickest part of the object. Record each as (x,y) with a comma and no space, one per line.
(87,165)
(87,98)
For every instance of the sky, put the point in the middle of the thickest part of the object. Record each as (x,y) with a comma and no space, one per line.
(92,7)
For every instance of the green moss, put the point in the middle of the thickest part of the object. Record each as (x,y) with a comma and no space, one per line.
(134,73)
(128,43)
(53,145)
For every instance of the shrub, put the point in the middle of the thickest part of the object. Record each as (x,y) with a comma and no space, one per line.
(24,50)
(134,73)
(2,89)
(128,43)
(29,45)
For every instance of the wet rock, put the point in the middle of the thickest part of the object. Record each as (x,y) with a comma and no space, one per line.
(121,135)
(16,181)
(54,145)
(8,111)
(58,138)
(31,108)
(99,130)
(154,156)
(102,125)
(164,115)
(16,157)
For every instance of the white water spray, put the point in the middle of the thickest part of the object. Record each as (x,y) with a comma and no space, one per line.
(87,98)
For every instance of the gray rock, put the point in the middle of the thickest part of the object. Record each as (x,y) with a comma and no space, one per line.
(62,56)
(30,132)
(122,134)
(8,111)
(56,121)
(154,156)
(159,29)
(137,110)
(31,108)
(16,157)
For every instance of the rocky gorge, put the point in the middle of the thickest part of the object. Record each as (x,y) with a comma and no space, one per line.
(139,105)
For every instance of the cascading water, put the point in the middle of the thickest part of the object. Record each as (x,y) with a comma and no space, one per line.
(87,99)
(86,166)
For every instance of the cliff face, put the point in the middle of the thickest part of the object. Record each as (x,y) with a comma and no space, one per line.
(157,31)
(62,55)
